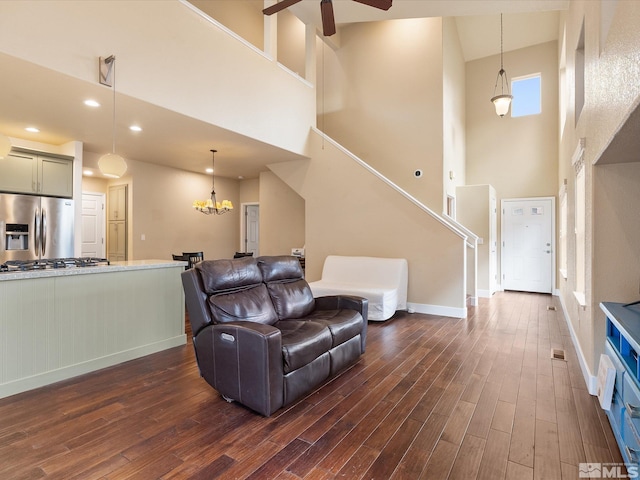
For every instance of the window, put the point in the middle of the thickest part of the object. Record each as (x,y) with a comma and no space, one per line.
(526,96)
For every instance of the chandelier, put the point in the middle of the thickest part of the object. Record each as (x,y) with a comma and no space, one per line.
(501,101)
(211,206)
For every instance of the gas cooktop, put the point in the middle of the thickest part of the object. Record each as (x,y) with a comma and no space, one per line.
(49,263)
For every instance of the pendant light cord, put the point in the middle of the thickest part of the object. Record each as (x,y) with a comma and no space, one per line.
(501,64)
(113,126)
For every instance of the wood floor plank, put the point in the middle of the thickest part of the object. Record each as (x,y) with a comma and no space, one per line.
(419,452)
(547,456)
(493,465)
(469,457)
(433,397)
(521,449)
(441,461)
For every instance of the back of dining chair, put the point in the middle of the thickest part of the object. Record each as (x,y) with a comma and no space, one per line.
(192,258)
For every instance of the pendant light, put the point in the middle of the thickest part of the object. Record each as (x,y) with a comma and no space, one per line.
(111,164)
(503,100)
(211,206)
(5,145)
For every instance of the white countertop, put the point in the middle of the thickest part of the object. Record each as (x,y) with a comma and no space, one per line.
(114,267)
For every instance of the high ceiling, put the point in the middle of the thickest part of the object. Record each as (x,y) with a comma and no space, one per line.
(33,95)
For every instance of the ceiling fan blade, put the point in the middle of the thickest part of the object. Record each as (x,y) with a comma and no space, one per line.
(381,4)
(328,22)
(279,6)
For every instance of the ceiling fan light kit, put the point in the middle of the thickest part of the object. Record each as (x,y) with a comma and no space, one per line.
(326,9)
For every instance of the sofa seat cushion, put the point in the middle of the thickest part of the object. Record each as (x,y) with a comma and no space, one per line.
(302,342)
(383,302)
(343,324)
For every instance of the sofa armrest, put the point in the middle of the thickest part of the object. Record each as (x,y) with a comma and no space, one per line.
(348,302)
(196,299)
(243,361)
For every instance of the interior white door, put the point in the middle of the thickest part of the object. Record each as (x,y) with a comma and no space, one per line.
(493,245)
(93,225)
(528,244)
(252,229)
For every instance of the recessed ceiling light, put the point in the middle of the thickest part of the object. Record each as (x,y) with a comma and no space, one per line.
(209,170)
(91,103)
(87,172)
(32,130)
(135,128)
(240,177)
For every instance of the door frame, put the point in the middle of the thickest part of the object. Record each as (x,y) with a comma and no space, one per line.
(553,237)
(243,224)
(102,221)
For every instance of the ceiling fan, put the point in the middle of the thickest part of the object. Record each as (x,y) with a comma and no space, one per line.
(326,9)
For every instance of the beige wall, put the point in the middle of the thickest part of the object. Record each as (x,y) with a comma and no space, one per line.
(244,18)
(383,100)
(350,211)
(453,112)
(612,91)
(282,217)
(517,156)
(291,42)
(95,185)
(473,203)
(250,190)
(161,205)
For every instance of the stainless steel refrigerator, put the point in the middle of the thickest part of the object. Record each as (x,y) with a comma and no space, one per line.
(33,227)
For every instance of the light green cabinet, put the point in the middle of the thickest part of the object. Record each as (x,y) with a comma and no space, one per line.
(30,173)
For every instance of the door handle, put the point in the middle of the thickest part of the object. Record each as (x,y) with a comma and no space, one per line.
(36,232)
(44,231)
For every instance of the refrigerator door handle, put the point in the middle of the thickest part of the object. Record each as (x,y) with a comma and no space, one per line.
(44,232)
(36,233)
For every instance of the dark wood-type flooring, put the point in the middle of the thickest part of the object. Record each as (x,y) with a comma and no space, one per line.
(433,397)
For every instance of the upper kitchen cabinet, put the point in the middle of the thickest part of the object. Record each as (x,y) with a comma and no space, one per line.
(31,173)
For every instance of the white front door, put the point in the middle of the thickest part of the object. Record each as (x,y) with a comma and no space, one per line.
(528,244)
(93,224)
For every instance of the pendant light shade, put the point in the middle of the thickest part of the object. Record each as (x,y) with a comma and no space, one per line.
(111,164)
(501,100)
(5,146)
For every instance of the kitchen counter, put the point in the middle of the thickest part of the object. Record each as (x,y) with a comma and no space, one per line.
(59,323)
(114,267)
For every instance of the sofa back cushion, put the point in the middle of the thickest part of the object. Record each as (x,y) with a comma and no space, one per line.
(289,291)
(235,291)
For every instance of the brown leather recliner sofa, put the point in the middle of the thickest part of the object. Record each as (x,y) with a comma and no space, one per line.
(260,337)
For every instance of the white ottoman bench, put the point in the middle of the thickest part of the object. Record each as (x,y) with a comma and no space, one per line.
(381,280)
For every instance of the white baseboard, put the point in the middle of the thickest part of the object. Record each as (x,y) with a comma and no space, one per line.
(484,293)
(589,378)
(437,310)
(64,373)
(472,301)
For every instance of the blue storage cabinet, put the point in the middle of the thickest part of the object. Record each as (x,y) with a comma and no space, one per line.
(623,348)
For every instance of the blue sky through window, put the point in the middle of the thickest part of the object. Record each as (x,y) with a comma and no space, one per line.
(526,96)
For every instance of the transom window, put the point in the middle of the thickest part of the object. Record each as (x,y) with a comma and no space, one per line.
(526,93)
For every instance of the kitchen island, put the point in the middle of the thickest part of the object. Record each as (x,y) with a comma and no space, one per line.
(59,323)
